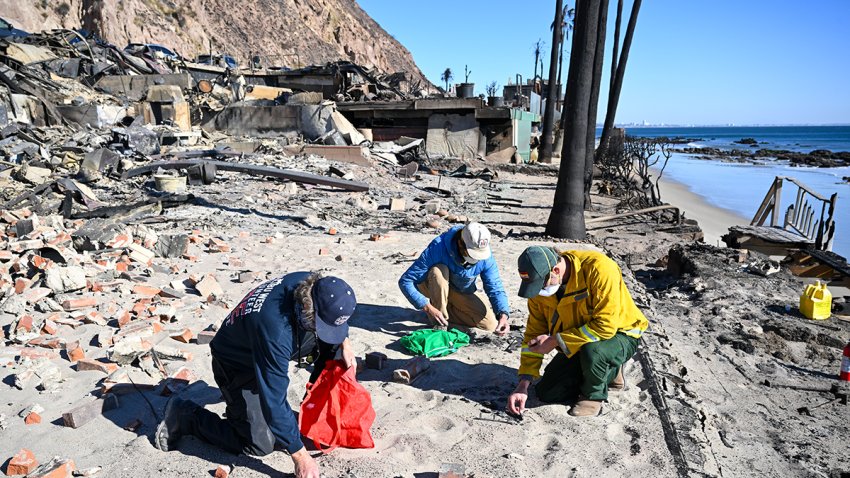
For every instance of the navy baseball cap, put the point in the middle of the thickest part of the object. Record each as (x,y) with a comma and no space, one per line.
(334,302)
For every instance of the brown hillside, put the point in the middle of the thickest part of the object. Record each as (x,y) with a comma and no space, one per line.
(285,32)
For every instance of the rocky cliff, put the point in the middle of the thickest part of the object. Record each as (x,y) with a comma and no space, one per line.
(289,33)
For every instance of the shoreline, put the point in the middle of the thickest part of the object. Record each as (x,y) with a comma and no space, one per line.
(714,221)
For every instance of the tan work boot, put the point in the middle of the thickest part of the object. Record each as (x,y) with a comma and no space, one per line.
(619,382)
(586,408)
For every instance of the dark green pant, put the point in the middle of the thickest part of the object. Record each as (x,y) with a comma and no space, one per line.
(588,372)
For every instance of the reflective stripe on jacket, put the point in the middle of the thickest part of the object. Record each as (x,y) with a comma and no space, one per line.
(595,305)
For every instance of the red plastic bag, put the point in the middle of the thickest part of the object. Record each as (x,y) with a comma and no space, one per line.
(337,410)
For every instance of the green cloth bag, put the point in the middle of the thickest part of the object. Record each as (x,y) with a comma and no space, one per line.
(434,343)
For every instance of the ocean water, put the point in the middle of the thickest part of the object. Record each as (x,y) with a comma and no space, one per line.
(792,138)
(741,187)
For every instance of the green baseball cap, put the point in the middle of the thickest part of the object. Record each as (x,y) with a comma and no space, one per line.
(534,265)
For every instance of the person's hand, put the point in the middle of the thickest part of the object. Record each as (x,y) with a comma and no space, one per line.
(305,465)
(503,326)
(348,356)
(435,315)
(542,344)
(516,401)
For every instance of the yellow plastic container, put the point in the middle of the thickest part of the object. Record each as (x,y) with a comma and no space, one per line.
(816,302)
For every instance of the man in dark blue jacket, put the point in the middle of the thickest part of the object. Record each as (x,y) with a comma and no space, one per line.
(442,281)
(285,319)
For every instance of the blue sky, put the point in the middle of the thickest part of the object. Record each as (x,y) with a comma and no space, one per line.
(692,61)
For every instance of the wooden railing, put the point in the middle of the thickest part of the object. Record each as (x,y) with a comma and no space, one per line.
(800,217)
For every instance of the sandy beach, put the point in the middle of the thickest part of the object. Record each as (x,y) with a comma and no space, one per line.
(714,221)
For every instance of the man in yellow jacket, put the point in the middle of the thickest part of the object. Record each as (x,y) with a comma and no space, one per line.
(578,305)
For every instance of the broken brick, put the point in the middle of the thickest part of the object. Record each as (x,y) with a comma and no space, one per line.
(324,251)
(218,245)
(49,327)
(75,352)
(205,336)
(209,286)
(41,263)
(76,304)
(185,336)
(38,354)
(146,290)
(222,471)
(96,365)
(32,418)
(332,231)
(22,463)
(21,284)
(55,469)
(24,323)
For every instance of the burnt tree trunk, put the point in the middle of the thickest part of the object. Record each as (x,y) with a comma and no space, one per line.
(617,81)
(552,90)
(567,217)
(598,61)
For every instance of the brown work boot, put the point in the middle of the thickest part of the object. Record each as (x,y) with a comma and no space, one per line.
(586,408)
(619,382)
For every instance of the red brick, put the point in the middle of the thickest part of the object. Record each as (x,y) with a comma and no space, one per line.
(94,317)
(75,352)
(90,364)
(324,251)
(61,469)
(22,284)
(77,304)
(33,353)
(185,336)
(49,327)
(41,263)
(190,257)
(222,471)
(24,323)
(123,318)
(22,463)
(184,374)
(268,240)
(6,256)
(218,245)
(47,343)
(244,234)
(32,418)
(146,290)
(332,231)
(35,294)
(120,240)
(141,306)
(122,266)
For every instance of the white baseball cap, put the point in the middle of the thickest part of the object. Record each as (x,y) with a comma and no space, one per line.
(476,238)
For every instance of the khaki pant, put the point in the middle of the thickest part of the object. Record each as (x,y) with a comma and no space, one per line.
(469,310)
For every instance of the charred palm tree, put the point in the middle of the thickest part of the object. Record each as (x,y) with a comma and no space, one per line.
(447,77)
(618,70)
(567,217)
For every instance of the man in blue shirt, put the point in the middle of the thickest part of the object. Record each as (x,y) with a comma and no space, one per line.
(284,319)
(442,281)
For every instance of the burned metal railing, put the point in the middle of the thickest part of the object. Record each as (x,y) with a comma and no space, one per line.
(800,217)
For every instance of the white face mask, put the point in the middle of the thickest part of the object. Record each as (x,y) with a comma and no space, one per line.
(549,290)
(470,260)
